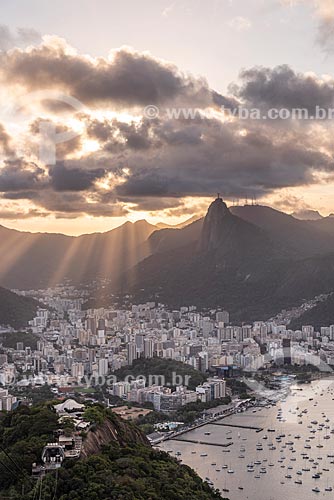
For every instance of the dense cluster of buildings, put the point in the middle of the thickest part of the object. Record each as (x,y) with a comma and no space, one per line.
(76,346)
(166,399)
(7,401)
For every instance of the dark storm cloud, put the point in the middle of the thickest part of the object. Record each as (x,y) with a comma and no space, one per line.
(198,157)
(18,175)
(20,195)
(97,129)
(129,79)
(73,179)
(118,136)
(227,161)
(173,134)
(281,87)
(189,158)
(223,101)
(145,183)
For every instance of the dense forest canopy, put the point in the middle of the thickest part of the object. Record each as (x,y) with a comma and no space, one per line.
(126,468)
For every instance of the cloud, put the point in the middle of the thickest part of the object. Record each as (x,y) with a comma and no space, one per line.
(5,142)
(63,149)
(154,165)
(26,214)
(18,175)
(19,195)
(152,203)
(255,163)
(118,136)
(76,204)
(168,10)
(181,158)
(290,202)
(126,79)
(283,87)
(240,23)
(21,38)
(74,178)
(325,13)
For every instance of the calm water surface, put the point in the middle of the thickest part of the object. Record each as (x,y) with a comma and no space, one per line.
(292,417)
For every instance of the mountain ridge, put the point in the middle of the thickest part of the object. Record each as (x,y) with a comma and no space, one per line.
(247,268)
(38,260)
(252,245)
(16,310)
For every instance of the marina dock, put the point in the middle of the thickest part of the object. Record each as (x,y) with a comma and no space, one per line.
(257,429)
(223,445)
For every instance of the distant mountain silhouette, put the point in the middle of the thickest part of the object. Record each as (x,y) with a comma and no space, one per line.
(30,260)
(252,260)
(304,238)
(168,239)
(299,238)
(252,269)
(307,215)
(163,225)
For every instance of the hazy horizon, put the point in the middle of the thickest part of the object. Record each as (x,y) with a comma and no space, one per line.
(169,221)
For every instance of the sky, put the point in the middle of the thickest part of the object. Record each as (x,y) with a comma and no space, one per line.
(89,137)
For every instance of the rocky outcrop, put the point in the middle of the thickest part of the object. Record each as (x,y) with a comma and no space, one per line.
(213,225)
(113,430)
